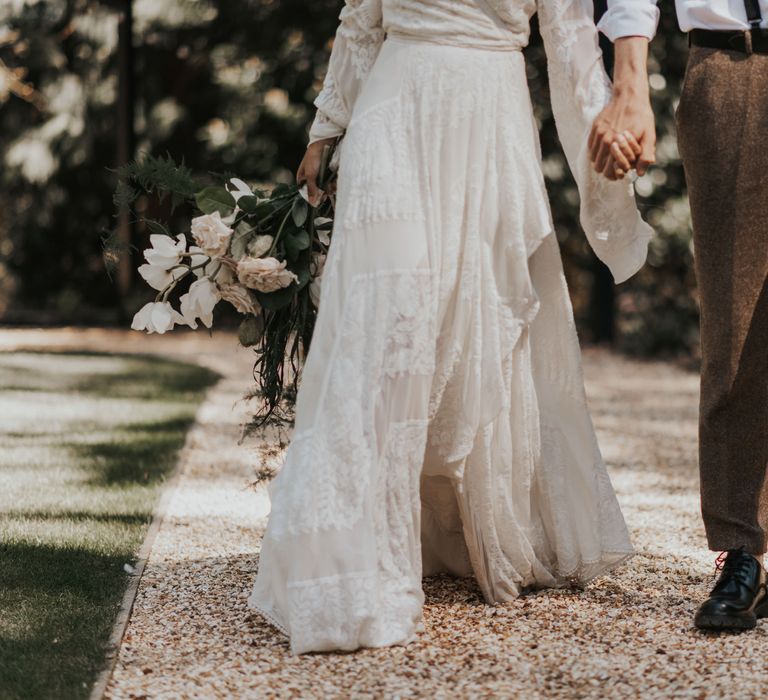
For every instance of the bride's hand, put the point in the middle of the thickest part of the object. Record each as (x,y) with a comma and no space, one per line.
(625,154)
(309,170)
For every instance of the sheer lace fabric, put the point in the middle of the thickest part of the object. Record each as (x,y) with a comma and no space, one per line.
(441,423)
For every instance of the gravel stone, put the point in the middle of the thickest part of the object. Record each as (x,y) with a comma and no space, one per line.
(628,635)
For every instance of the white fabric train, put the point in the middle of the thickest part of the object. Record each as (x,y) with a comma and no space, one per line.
(441,422)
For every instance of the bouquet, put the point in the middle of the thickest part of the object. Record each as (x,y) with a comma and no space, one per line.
(260,251)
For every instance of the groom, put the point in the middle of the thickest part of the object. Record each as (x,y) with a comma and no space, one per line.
(722,125)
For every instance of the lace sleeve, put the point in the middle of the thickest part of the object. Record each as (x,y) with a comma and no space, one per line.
(357,43)
(580,89)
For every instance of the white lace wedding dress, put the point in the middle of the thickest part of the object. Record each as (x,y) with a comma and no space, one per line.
(441,421)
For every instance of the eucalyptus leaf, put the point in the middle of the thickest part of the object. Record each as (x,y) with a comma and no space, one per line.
(295,242)
(213,199)
(299,211)
(301,240)
(273,301)
(264,209)
(249,204)
(250,331)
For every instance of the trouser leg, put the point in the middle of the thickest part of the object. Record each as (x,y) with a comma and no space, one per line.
(723,136)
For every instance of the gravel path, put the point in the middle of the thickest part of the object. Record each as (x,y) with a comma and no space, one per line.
(629,635)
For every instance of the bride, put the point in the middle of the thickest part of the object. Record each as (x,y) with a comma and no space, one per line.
(441,423)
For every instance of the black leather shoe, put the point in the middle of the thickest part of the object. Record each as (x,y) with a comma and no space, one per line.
(739,597)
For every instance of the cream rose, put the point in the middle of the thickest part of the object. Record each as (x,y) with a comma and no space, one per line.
(211,234)
(264,274)
(240,297)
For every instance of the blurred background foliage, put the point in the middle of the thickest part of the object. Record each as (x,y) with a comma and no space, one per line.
(228,86)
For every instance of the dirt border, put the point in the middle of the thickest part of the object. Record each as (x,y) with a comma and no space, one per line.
(77,339)
(112,648)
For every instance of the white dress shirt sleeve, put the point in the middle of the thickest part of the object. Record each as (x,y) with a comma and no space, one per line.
(630,18)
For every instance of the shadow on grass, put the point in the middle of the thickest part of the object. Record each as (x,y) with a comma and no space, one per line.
(170,425)
(141,461)
(145,377)
(63,625)
(79,516)
(159,382)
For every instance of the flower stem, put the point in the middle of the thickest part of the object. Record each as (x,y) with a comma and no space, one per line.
(279,231)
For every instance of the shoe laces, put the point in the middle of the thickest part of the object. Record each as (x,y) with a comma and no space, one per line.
(734,563)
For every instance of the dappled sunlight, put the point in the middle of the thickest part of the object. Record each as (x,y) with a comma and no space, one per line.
(83,455)
(630,630)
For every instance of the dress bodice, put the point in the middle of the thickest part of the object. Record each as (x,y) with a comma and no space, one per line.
(579,89)
(489,24)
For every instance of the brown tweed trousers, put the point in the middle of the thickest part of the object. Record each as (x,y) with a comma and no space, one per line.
(722,123)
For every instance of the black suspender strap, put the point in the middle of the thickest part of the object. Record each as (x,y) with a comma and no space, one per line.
(754,16)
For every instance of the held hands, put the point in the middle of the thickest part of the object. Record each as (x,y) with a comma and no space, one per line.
(623,136)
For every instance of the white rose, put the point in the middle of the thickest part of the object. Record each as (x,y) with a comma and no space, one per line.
(260,245)
(240,297)
(156,317)
(239,189)
(198,302)
(264,274)
(211,234)
(158,278)
(165,253)
(198,257)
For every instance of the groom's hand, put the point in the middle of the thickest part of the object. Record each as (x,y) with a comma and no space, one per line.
(628,115)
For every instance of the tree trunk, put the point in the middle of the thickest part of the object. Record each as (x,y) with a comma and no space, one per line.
(602,306)
(125,142)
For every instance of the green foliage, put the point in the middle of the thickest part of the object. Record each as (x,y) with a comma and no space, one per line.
(162,176)
(281,224)
(228,86)
(213,199)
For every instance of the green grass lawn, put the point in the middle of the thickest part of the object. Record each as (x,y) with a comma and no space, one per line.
(86,441)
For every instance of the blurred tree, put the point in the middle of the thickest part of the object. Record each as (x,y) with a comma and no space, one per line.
(126,138)
(228,86)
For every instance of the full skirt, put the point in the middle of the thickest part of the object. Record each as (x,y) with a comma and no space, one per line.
(441,421)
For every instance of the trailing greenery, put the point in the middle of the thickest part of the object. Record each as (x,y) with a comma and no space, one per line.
(88,440)
(254,228)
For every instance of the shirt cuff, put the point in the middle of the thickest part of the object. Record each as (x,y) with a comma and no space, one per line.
(630,18)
